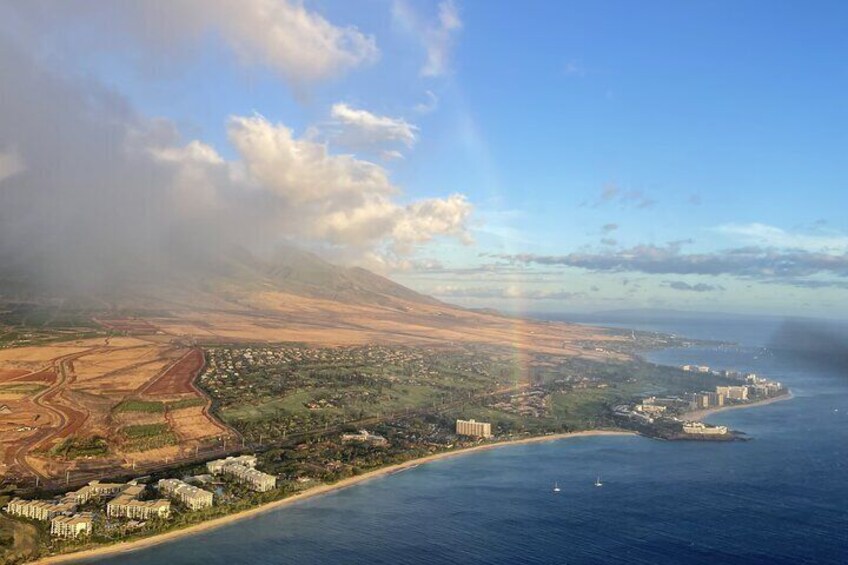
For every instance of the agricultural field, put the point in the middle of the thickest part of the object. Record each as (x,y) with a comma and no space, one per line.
(83,406)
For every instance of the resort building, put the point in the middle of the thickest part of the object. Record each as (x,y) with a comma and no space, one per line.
(365,437)
(93,490)
(192,497)
(72,526)
(216,466)
(242,470)
(39,509)
(127,505)
(699,428)
(650,408)
(733,392)
(473,428)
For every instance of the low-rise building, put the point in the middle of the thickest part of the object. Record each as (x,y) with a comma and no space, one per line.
(650,408)
(39,509)
(215,467)
(473,428)
(365,437)
(699,428)
(92,491)
(127,505)
(72,526)
(191,496)
(242,469)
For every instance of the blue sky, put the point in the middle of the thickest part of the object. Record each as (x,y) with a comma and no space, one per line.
(608,154)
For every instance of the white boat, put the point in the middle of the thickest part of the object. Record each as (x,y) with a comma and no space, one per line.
(598,482)
(556,487)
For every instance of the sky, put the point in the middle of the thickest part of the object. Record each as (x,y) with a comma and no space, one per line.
(542,156)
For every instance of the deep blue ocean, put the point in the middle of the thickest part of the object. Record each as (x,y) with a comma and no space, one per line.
(780,498)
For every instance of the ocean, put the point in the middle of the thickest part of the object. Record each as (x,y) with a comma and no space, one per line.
(780,498)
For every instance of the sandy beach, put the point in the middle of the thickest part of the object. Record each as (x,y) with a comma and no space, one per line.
(117,549)
(701,414)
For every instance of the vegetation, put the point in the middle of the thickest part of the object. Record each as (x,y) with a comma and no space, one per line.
(75,447)
(184,403)
(149,406)
(143,437)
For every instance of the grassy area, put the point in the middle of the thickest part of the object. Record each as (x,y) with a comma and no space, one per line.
(144,430)
(148,406)
(21,388)
(143,437)
(76,447)
(185,403)
(19,541)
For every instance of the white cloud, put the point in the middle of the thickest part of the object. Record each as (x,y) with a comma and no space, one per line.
(771,236)
(300,44)
(437,37)
(430,105)
(362,129)
(339,199)
(10,164)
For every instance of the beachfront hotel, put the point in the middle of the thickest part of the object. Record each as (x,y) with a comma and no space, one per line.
(93,490)
(72,526)
(699,428)
(242,469)
(216,466)
(191,496)
(39,509)
(473,428)
(127,505)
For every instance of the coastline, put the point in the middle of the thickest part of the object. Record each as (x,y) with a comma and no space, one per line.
(125,547)
(703,413)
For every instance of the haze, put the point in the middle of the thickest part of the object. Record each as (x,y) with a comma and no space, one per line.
(570,161)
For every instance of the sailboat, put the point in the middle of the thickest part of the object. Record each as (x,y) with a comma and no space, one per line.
(556,487)
(598,482)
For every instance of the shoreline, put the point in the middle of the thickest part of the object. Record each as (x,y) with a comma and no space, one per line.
(125,547)
(704,412)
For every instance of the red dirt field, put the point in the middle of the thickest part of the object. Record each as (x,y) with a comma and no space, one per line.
(11,374)
(178,378)
(46,376)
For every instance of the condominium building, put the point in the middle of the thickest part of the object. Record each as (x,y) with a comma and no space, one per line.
(473,428)
(242,470)
(38,509)
(733,392)
(93,490)
(127,505)
(215,467)
(194,498)
(72,526)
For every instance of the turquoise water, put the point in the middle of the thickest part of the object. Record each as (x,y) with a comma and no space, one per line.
(780,498)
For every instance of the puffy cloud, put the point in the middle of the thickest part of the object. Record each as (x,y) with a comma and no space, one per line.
(609,228)
(437,37)
(109,195)
(339,198)
(300,44)
(359,128)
